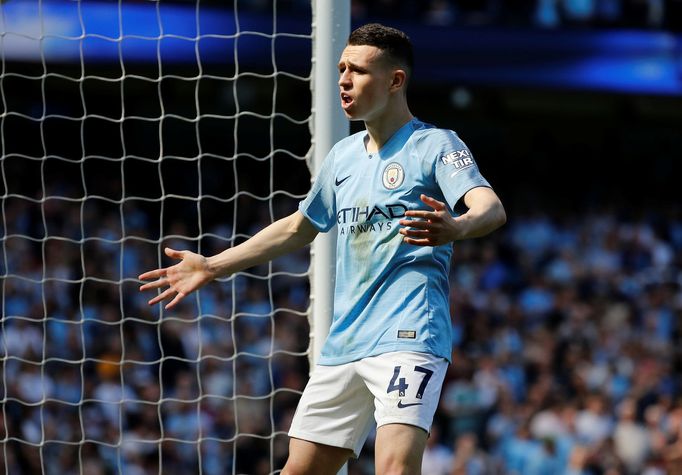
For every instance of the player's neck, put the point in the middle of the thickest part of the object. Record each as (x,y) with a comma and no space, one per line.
(381,129)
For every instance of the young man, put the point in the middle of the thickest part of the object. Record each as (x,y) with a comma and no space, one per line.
(391,190)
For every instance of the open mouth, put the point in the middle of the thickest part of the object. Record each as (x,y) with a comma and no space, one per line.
(346,100)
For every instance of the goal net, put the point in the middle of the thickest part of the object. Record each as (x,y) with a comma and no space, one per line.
(127,127)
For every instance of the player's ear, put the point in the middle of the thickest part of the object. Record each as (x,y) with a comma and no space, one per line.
(398,80)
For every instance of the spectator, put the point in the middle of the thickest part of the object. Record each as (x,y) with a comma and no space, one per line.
(469,459)
(593,424)
(631,441)
(602,336)
(438,458)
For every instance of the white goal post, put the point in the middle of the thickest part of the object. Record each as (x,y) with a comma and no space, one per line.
(331,27)
(125,127)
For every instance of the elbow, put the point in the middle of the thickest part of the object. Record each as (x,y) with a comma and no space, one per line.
(497,217)
(300,229)
(500,216)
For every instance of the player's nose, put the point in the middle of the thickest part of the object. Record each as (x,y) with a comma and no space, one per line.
(344,80)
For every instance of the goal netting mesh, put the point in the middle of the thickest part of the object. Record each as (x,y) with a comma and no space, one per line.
(126,127)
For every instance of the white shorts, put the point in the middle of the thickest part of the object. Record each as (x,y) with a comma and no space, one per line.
(338,402)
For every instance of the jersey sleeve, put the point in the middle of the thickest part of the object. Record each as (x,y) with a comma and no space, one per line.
(319,206)
(455,169)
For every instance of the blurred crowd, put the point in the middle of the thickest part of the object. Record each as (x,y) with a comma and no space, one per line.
(96,382)
(648,14)
(566,356)
(565,359)
(527,13)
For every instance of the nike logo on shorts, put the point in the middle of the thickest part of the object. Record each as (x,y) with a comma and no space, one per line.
(338,182)
(403,406)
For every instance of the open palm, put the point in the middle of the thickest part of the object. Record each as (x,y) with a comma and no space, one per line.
(183,278)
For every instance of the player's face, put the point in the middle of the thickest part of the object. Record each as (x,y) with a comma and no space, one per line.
(364,82)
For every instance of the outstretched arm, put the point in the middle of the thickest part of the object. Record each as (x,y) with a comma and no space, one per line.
(432,228)
(194,270)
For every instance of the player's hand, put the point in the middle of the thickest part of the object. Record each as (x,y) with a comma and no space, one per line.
(431,228)
(191,273)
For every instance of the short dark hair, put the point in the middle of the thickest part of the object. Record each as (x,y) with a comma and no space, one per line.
(393,42)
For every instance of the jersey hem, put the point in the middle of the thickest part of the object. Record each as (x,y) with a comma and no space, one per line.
(345,359)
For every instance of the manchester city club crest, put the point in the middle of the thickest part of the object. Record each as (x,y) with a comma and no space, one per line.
(393,176)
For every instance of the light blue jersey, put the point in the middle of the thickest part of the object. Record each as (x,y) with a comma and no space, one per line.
(389,296)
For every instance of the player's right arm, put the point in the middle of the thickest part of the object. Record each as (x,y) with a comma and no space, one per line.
(194,270)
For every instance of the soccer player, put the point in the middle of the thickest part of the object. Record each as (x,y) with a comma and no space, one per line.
(393,191)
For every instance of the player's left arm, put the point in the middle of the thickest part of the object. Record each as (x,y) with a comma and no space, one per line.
(484,214)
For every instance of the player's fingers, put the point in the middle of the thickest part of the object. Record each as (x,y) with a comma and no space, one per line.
(155,300)
(173,253)
(162,296)
(152,274)
(154,285)
(420,213)
(410,230)
(432,202)
(417,242)
(416,233)
(416,224)
(175,301)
